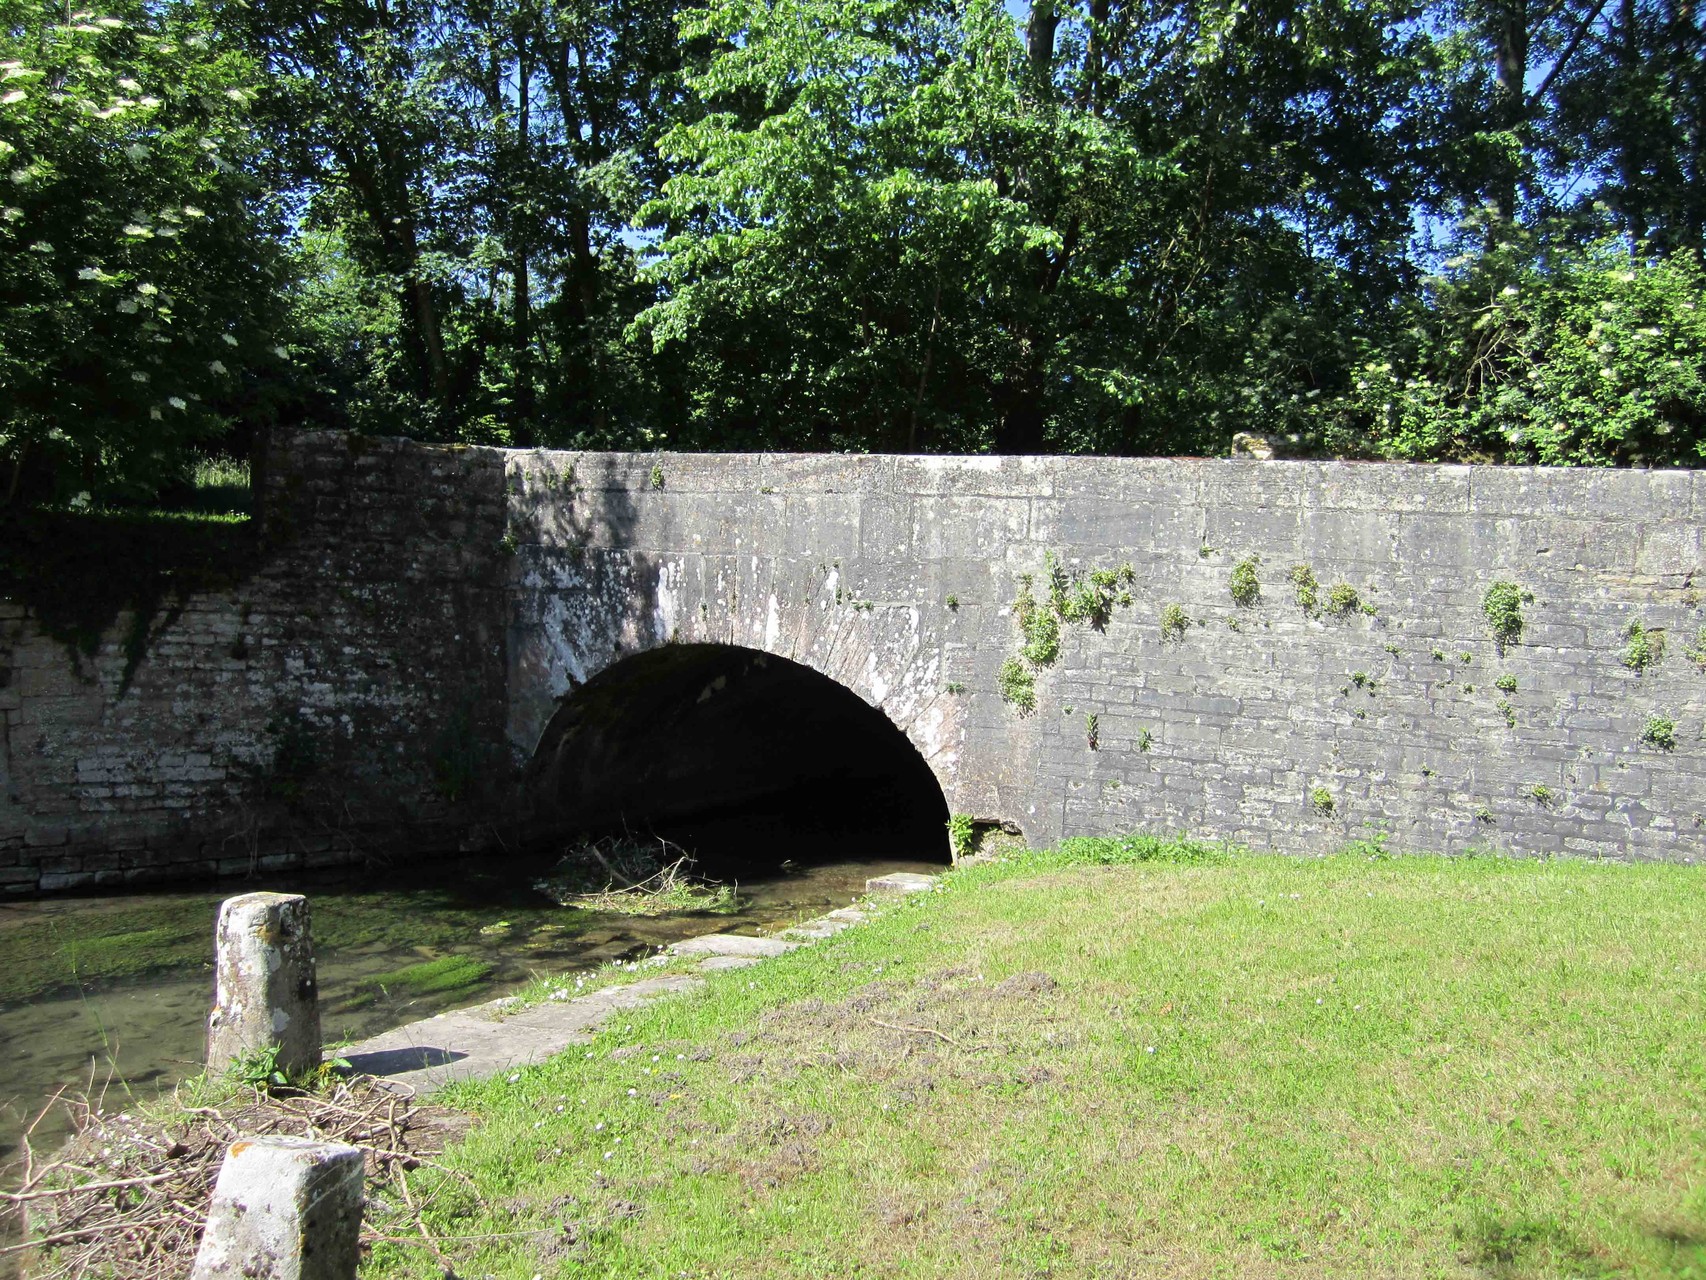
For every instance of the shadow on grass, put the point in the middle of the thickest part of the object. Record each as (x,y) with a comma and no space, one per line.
(1505,1250)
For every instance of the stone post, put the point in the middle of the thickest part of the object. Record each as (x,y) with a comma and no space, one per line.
(284,1209)
(263,988)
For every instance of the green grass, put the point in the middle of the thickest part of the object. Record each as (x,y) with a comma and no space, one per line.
(1139,1059)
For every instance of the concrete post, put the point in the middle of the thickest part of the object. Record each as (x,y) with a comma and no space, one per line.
(284,1209)
(263,987)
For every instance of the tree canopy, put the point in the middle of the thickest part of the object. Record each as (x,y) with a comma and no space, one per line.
(1428,229)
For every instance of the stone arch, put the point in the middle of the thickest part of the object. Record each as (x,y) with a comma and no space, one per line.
(702,741)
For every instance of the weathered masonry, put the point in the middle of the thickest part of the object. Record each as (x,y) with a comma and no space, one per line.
(1290,654)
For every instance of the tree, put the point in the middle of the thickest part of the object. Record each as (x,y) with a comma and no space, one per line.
(908,224)
(137,258)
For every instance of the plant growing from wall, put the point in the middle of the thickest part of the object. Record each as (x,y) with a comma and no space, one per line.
(1507,711)
(1145,739)
(954,686)
(1542,794)
(1643,648)
(1343,600)
(1039,626)
(962,834)
(1093,731)
(1505,683)
(1502,605)
(1089,597)
(657,475)
(1081,598)
(1174,622)
(1245,586)
(1307,589)
(1695,650)
(1018,686)
(1321,800)
(1660,732)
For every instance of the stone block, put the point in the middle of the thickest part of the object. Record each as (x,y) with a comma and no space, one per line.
(901,882)
(732,944)
(265,992)
(285,1209)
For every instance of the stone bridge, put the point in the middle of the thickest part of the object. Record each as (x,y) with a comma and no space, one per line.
(446,649)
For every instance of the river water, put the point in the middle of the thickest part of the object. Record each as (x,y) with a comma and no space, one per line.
(113,992)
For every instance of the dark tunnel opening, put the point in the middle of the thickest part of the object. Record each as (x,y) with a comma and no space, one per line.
(744,759)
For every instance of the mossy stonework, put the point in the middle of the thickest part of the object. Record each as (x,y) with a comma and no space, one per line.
(409,599)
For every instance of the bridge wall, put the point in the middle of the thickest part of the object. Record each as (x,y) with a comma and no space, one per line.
(384,676)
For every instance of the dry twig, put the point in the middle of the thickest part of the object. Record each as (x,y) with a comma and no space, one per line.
(125,1199)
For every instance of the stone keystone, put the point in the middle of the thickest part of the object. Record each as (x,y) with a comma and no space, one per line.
(284,1209)
(264,994)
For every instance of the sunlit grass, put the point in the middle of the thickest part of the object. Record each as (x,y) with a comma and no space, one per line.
(1219,1064)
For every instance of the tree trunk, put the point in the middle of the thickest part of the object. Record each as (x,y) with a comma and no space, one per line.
(1510,38)
(522,429)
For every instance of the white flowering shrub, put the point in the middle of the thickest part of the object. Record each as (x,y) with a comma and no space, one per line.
(1561,353)
(135,273)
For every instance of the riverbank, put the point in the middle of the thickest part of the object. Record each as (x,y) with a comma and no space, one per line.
(116,989)
(1091,1064)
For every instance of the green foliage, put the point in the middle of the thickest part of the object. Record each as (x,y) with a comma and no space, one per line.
(1371,847)
(1084,598)
(1695,650)
(1502,605)
(1643,648)
(1321,800)
(1245,586)
(1308,590)
(138,259)
(1343,600)
(1506,683)
(962,834)
(1090,598)
(1093,731)
(259,1069)
(1660,732)
(1536,347)
(1041,628)
(1115,851)
(1505,709)
(1174,622)
(1018,686)
(849,224)
(954,686)
(1542,794)
(656,477)
(1145,739)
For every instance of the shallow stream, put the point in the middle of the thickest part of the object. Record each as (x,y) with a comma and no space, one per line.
(113,992)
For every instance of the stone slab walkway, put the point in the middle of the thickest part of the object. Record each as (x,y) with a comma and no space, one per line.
(488,1039)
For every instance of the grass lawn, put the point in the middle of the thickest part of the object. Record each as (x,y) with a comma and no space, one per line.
(1195,1066)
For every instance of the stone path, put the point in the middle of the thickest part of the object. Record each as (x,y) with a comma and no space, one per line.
(490,1038)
